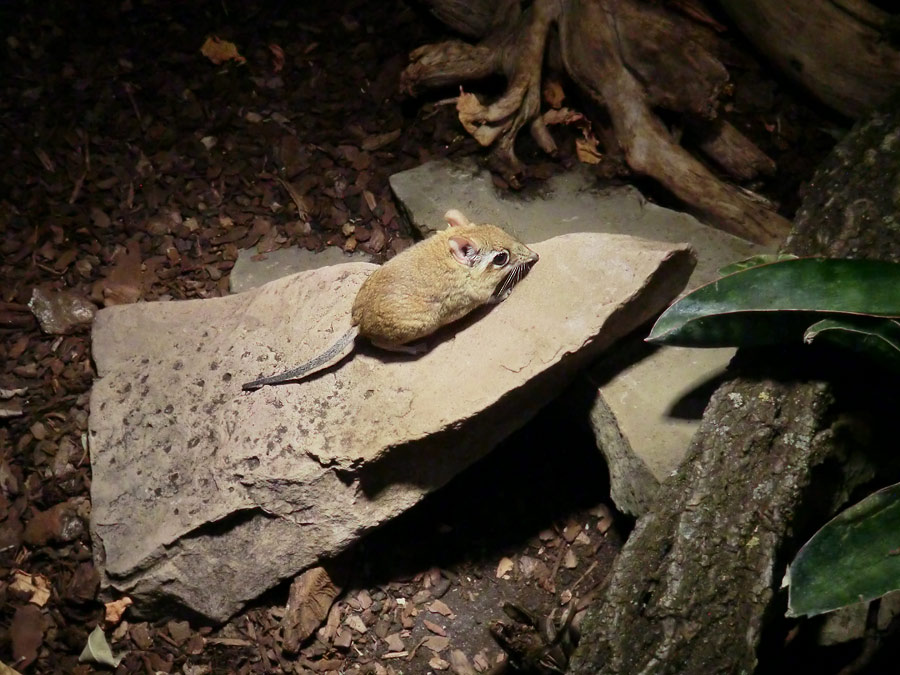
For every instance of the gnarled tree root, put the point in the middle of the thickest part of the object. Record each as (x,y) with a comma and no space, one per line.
(629,57)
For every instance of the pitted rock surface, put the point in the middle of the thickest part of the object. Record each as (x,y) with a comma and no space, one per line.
(195,480)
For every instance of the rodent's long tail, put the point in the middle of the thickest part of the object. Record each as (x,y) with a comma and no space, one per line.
(332,355)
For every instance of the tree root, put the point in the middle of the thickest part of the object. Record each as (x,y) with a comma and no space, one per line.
(630,57)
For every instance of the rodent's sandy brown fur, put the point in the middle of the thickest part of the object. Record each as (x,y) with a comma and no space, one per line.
(424,288)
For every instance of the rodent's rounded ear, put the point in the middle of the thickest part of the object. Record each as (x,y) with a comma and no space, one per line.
(463,250)
(456,218)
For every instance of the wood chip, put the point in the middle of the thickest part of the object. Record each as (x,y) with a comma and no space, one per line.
(460,663)
(394,643)
(571,531)
(438,663)
(26,634)
(436,643)
(356,623)
(504,567)
(395,655)
(434,628)
(440,607)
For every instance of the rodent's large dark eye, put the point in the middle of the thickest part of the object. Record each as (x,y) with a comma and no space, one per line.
(500,258)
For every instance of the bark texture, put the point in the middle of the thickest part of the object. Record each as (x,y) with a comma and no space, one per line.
(837,49)
(781,447)
(852,207)
(631,57)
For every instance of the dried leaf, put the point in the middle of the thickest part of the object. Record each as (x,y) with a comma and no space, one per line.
(311,596)
(562,116)
(472,115)
(35,587)
(553,93)
(97,650)
(115,610)
(219,51)
(586,150)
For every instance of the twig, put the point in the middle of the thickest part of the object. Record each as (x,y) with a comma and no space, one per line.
(129,92)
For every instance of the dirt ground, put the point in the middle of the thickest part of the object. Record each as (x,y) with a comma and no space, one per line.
(134,169)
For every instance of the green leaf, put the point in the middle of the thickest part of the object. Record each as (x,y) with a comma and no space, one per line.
(97,650)
(755,261)
(853,558)
(878,339)
(775,303)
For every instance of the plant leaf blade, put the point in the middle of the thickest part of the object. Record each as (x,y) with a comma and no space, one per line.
(776,302)
(853,558)
(877,339)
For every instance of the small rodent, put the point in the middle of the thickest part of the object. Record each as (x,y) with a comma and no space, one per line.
(430,284)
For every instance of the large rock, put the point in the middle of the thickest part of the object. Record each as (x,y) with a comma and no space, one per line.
(649,400)
(252,270)
(205,496)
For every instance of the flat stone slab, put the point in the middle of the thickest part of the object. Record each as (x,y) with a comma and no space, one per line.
(567,202)
(645,397)
(252,269)
(205,496)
